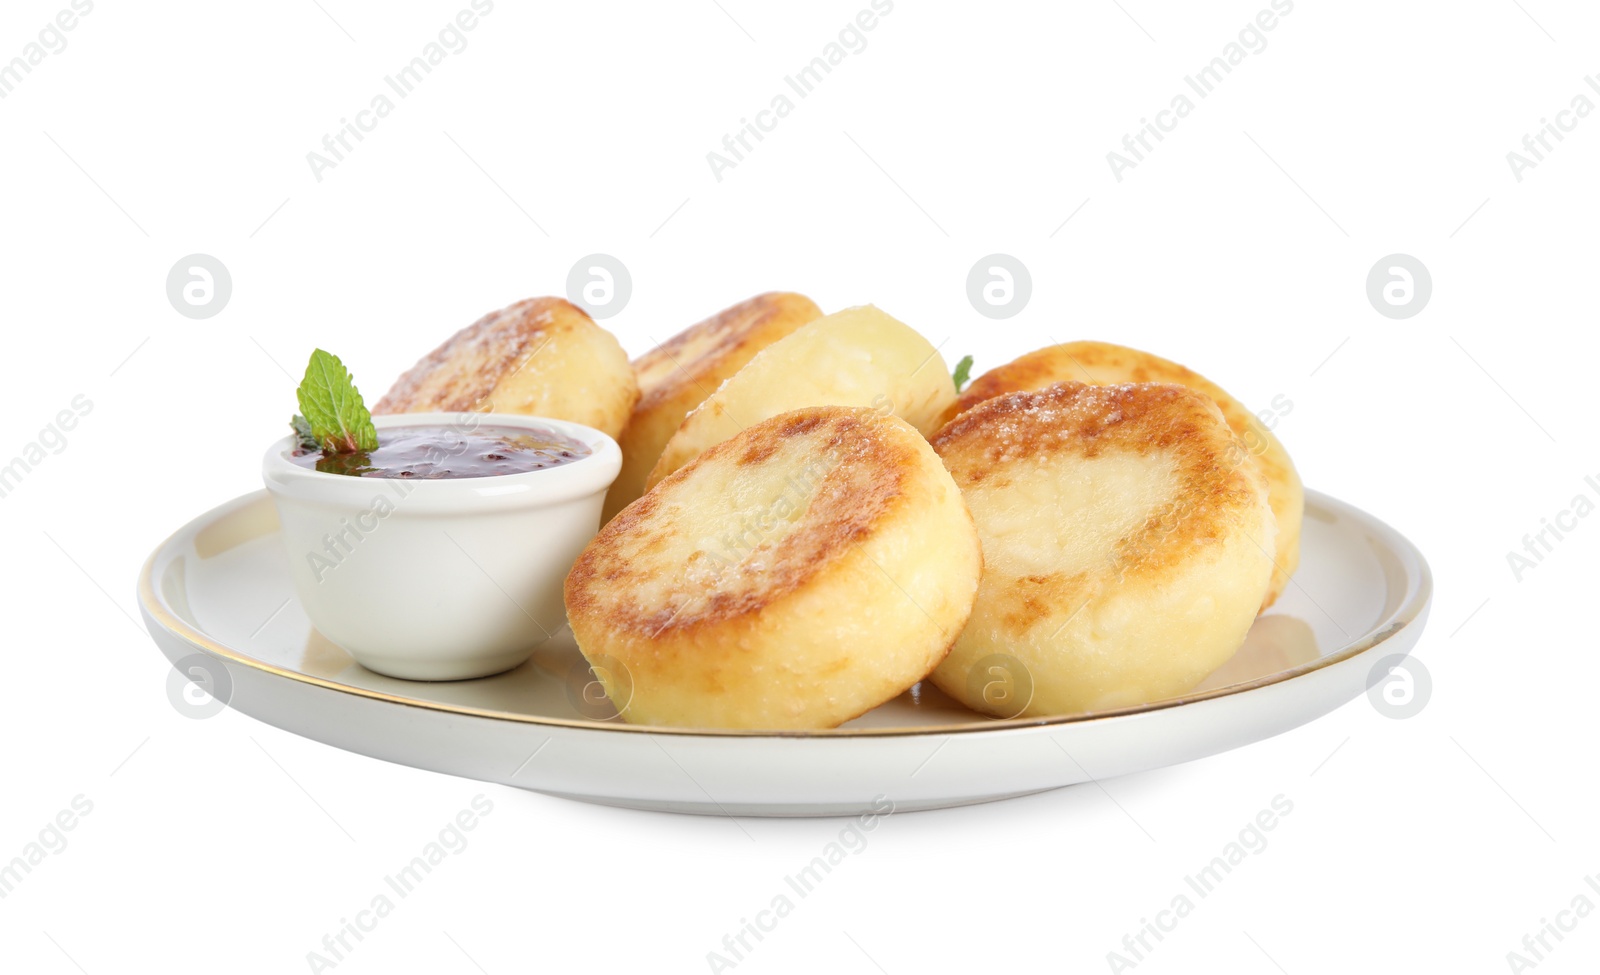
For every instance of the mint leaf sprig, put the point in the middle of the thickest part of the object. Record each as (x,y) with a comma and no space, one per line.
(963,372)
(332,413)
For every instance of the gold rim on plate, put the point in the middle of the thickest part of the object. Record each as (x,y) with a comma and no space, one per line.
(1401,618)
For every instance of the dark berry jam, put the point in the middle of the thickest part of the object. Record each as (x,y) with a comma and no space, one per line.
(435,452)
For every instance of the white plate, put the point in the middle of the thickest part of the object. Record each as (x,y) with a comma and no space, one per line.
(220,588)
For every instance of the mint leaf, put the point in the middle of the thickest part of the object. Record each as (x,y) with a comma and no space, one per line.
(302,432)
(963,372)
(331,404)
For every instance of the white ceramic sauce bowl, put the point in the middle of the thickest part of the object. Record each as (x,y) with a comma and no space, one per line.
(440,579)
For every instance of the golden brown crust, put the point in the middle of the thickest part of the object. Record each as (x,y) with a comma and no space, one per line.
(1035,597)
(793,576)
(1181,424)
(1100,363)
(707,352)
(854,476)
(462,373)
(1026,372)
(855,357)
(1092,363)
(676,376)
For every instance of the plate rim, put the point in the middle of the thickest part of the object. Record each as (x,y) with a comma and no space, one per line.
(1409,613)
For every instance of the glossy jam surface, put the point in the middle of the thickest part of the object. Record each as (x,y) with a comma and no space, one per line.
(436,452)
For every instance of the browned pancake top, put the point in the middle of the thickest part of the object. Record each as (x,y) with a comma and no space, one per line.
(1214,487)
(462,373)
(695,356)
(844,470)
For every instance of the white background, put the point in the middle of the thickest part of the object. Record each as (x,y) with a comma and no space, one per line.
(1240,247)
